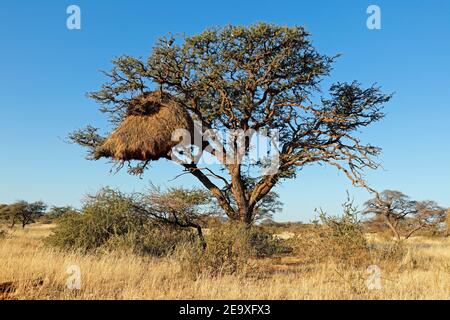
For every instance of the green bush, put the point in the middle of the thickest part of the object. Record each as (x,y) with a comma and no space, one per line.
(162,240)
(109,222)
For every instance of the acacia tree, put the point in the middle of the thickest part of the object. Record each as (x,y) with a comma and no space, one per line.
(22,211)
(262,77)
(403,216)
(180,207)
(60,212)
(429,215)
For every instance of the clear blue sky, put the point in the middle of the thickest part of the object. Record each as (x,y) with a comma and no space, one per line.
(46,69)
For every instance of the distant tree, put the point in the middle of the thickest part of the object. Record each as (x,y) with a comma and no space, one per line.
(429,215)
(375,224)
(268,222)
(403,216)
(59,212)
(24,212)
(246,79)
(3,216)
(268,206)
(392,207)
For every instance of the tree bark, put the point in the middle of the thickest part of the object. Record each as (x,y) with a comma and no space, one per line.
(394,230)
(239,194)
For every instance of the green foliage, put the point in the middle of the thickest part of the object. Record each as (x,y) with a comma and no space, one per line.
(153,239)
(56,213)
(108,213)
(403,216)
(251,78)
(181,207)
(59,212)
(23,212)
(109,221)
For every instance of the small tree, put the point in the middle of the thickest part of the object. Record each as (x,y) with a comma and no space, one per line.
(24,212)
(268,206)
(59,212)
(150,221)
(403,216)
(180,207)
(249,79)
(3,215)
(429,215)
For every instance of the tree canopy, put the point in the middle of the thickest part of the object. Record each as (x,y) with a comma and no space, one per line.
(250,79)
(404,216)
(22,211)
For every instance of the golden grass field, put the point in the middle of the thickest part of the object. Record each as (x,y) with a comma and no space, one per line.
(423,273)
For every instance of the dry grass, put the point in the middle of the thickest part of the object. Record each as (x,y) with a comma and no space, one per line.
(424,273)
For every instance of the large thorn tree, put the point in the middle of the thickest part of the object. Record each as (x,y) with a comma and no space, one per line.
(261,77)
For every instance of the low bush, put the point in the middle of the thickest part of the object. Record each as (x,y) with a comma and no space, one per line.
(337,238)
(265,244)
(109,222)
(389,252)
(2,234)
(228,251)
(230,248)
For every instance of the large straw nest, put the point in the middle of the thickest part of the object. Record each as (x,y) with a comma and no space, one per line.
(147,129)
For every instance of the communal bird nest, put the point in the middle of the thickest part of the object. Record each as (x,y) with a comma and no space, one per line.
(146,133)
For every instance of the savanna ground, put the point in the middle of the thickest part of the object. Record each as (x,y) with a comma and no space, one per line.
(422,272)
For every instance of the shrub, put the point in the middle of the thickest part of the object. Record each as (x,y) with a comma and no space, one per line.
(265,244)
(108,222)
(56,213)
(230,246)
(228,251)
(2,233)
(162,240)
(389,252)
(336,238)
(107,214)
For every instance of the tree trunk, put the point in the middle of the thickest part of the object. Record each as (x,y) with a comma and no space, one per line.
(201,237)
(394,230)
(239,193)
(13,222)
(246,216)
